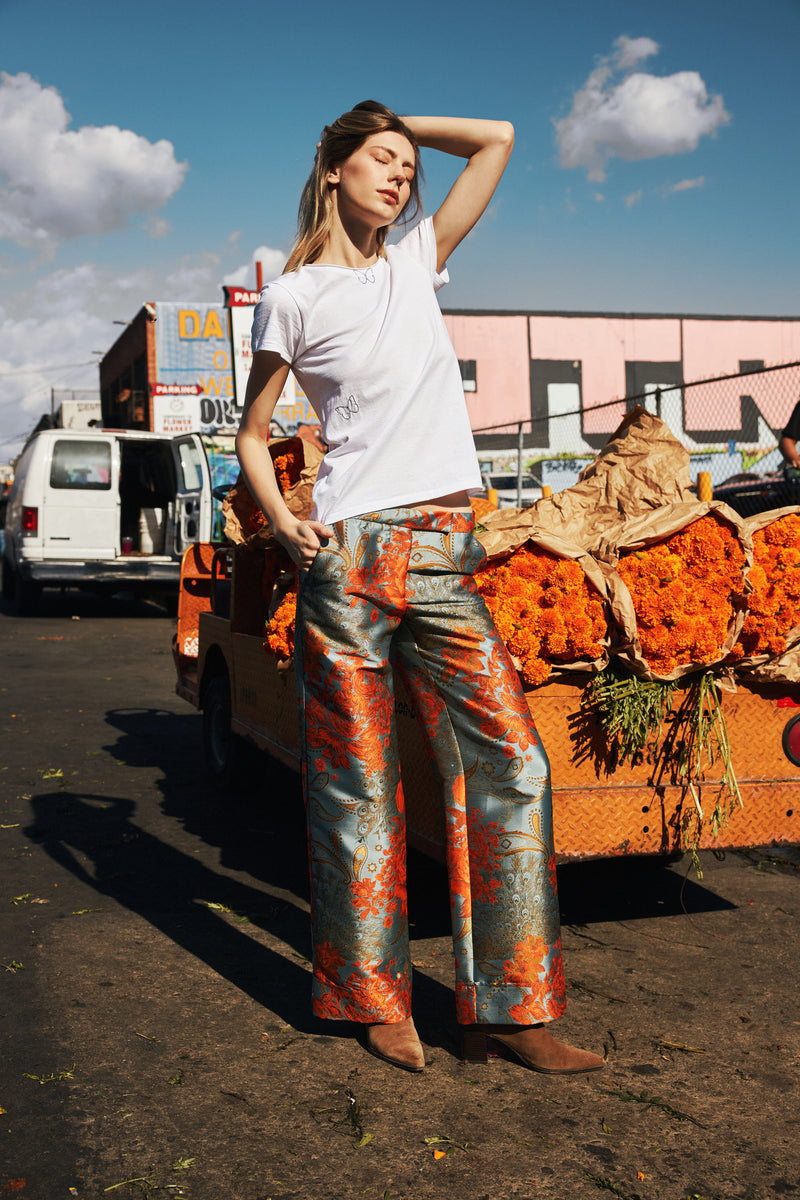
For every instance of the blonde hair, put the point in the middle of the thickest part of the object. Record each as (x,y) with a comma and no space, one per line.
(339,141)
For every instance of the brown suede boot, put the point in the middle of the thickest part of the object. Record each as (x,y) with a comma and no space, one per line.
(397,1044)
(532,1045)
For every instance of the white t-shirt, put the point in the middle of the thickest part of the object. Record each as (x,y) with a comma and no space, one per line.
(371,351)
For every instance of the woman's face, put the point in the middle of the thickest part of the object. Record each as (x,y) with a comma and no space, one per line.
(373,185)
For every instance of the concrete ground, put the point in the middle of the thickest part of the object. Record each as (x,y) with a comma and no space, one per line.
(155,1021)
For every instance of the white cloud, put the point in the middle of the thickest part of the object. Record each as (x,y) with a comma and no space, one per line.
(631,51)
(633,198)
(129,283)
(157,227)
(61,183)
(57,337)
(637,116)
(272,263)
(49,329)
(195,278)
(686,184)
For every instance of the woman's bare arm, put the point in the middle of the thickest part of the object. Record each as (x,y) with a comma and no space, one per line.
(267,377)
(788,448)
(487,147)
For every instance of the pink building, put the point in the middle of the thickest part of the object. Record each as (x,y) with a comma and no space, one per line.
(561,370)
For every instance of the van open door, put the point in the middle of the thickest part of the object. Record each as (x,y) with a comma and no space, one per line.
(193,501)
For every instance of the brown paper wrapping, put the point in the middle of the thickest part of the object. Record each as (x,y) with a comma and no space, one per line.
(241,510)
(783,667)
(643,467)
(644,531)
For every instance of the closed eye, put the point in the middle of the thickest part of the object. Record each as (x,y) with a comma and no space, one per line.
(385,157)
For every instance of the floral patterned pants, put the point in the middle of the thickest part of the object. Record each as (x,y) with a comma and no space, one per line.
(400,582)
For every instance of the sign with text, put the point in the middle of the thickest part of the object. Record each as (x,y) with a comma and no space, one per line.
(237,297)
(193,359)
(293,407)
(177,389)
(176,413)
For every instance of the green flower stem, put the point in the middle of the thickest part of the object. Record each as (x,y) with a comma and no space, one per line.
(633,711)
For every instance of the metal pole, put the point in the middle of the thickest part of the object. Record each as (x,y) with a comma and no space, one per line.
(520,440)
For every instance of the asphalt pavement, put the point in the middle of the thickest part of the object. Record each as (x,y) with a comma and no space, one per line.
(155,1023)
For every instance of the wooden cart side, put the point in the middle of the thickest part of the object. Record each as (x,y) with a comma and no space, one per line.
(599,810)
(265,710)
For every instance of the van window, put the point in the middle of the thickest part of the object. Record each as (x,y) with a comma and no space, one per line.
(191,466)
(81,465)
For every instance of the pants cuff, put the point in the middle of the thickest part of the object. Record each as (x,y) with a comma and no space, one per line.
(488,1004)
(368,1001)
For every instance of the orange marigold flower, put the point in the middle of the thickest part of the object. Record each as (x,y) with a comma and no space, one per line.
(248,513)
(280,627)
(684,591)
(289,464)
(774,604)
(545,609)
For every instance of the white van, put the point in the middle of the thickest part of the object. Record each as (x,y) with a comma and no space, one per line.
(105,510)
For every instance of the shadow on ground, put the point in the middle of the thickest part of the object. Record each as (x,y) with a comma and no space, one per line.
(244,852)
(71,602)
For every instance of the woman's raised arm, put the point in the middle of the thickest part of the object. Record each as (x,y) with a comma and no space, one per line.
(487,147)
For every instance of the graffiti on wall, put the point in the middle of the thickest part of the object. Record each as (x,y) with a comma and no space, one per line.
(567,376)
(193,348)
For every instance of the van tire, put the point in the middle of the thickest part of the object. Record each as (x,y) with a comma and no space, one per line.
(20,596)
(221,747)
(8,583)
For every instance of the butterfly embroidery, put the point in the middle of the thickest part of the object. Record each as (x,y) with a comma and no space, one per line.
(367,276)
(346,410)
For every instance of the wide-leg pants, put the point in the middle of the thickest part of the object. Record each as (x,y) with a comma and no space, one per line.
(400,582)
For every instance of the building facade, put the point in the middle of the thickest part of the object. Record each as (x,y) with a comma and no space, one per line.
(558,383)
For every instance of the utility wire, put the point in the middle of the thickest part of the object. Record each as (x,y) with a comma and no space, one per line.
(40,370)
(41,389)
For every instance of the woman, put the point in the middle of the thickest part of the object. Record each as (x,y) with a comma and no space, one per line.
(386,564)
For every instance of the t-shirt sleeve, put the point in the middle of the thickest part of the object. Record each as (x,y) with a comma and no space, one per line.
(792,429)
(277,324)
(420,244)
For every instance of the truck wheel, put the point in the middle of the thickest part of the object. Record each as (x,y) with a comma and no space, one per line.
(20,596)
(221,746)
(8,583)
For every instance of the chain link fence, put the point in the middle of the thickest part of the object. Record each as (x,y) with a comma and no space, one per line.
(730,425)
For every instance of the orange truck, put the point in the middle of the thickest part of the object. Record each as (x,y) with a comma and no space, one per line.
(599,810)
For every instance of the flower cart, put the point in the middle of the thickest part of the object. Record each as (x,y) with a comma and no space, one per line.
(658,640)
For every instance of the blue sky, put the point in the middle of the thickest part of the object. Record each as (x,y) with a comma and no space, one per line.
(655,166)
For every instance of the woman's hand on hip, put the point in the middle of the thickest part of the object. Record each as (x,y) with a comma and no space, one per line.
(302,540)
